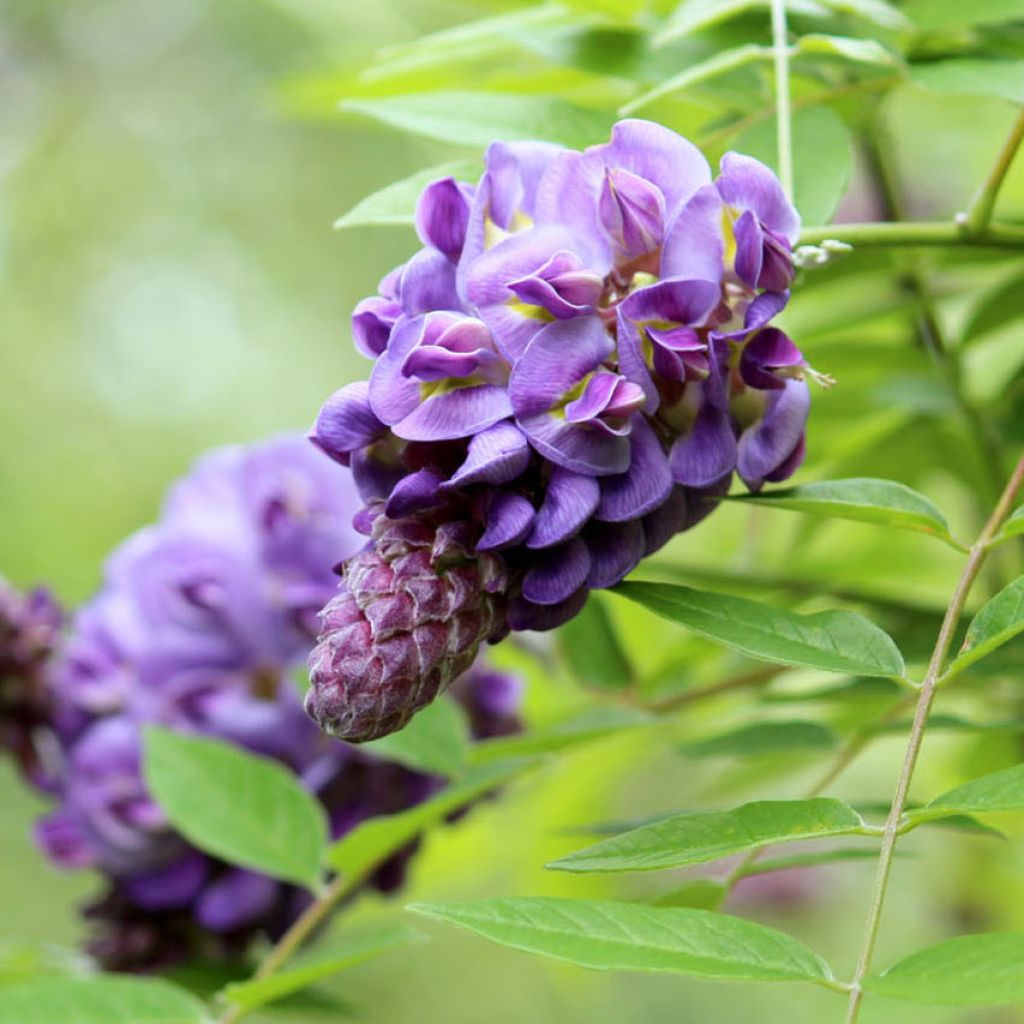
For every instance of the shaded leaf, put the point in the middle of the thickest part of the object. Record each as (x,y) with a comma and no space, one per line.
(242,808)
(931,16)
(997,308)
(700,893)
(396,203)
(591,649)
(478,118)
(998,621)
(695,15)
(833,641)
(699,836)
(822,159)
(999,791)
(813,859)
(972,970)
(631,937)
(364,847)
(860,51)
(877,11)
(972,76)
(760,738)
(1014,526)
(328,960)
(436,740)
(101,1000)
(21,961)
(863,499)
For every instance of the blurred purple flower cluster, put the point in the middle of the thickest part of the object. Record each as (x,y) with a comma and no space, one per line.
(201,622)
(567,374)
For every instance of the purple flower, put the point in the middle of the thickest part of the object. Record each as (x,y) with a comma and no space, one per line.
(607,365)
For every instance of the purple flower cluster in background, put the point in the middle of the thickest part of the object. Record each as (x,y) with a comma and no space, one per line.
(201,622)
(567,374)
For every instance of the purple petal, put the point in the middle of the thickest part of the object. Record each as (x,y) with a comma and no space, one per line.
(764,308)
(414,493)
(790,464)
(236,899)
(632,362)
(747,184)
(765,446)
(376,470)
(558,573)
(557,359)
(346,422)
(442,215)
(615,550)
(569,501)
(676,301)
(668,519)
(524,614)
(428,283)
(372,321)
(453,414)
(173,886)
(62,839)
(708,451)
(392,395)
(768,350)
(631,212)
(576,447)
(694,244)
(509,518)
(495,456)
(434,363)
(645,484)
(749,248)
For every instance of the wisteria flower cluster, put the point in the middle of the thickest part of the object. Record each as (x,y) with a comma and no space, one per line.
(200,624)
(566,375)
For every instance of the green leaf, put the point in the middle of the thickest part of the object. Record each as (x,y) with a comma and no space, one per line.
(999,791)
(436,740)
(1014,526)
(822,159)
(761,738)
(396,203)
(478,118)
(592,724)
(863,499)
(832,641)
(972,76)
(877,11)
(998,307)
(101,1000)
(941,15)
(695,15)
(364,847)
(972,970)
(245,809)
(702,71)
(696,837)
(702,893)
(860,51)
(591,649)
(630,937)
(998,621)
(22,961)
(813,859)
(328,960)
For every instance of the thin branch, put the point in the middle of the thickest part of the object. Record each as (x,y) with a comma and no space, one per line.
(895,235)
(979,550)
(783,113)
(980,211)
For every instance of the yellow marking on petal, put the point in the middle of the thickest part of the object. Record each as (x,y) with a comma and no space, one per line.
(521,221)
(493,234)
(530,311)
(729,237)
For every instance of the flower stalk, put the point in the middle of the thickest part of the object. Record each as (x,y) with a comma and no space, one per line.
(980,211)
(929,686)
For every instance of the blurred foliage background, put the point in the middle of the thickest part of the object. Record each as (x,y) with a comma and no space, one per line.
(170,280)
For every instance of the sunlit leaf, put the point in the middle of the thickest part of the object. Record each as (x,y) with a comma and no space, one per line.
(833,641)
(396,203)
(999,791)
(760,738)
(860,51)
(866,500)
(242,808)
(699,836)
(971,970)
(435,740)
(330,958)
(631,937)
(478,118)
(877,11)
(998,621)
(101,1000)
(370,843)
(700,893)
(812,859)
(719,64)
(822,159)
(997,308)
(972,76)
(695,15)
(591,649)
(22,961)
(940,15)
(1014,526)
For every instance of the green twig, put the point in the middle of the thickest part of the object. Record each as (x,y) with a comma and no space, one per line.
(898,234)
(783,113)
(979,213)
(924,705)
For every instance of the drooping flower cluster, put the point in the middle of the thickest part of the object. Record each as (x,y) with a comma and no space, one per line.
(200,623)
(567,374)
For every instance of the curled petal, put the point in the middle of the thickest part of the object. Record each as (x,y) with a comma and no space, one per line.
(615,551)
(558,574)
(495,456)
(569,501)
(708,450)
(764,308)
(644,485)
(688,302)
(372,321)
(577,447)
(694,241)
(346,422)
(509,518)
(766,445)
(414,493)
(442,215)
(747,184)
(428,283)
(453,414)
(767,351)
(524,614)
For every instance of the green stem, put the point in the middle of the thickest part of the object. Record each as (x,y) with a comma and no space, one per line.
(980,211)
(895,234)
(783,113)
(979,550)
(289,944)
